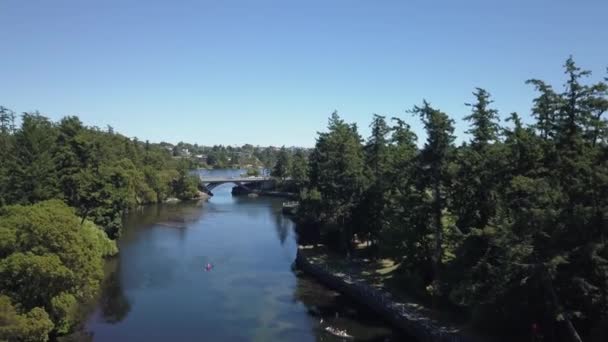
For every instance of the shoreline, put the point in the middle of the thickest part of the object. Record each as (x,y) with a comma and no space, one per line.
(238,191)
(408,317)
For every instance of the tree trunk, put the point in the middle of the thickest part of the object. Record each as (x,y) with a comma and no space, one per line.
(438,236)
(556,308)
(84,217)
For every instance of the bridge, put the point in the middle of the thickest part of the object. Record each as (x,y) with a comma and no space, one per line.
(210,183)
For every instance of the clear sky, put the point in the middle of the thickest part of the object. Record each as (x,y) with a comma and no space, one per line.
(271,72)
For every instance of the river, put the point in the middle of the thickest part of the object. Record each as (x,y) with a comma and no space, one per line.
(157,289)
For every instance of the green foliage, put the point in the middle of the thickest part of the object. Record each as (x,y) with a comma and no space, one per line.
(33,280)
(373,203)
(64,312)
(299,169)
(105,246)
(433,160)
(49,260)
(33,326)
(185,186)
(31,171)
(483,120)
(253,172)
(283,165)
(337,174)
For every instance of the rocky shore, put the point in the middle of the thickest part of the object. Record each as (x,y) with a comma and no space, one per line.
(406,316)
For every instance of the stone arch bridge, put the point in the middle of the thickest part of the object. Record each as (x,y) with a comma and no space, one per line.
(246,183)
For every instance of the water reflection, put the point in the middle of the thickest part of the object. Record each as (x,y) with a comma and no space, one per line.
(114,304)
(283,225)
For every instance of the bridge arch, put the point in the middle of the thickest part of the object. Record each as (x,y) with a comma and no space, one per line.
(210,183)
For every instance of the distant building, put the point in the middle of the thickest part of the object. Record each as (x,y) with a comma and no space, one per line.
(201,158)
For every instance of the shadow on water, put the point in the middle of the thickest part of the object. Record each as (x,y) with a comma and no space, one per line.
(331,309)
(114,304)
(282,223)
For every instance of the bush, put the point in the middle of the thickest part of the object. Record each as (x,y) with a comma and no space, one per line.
(49,262)
(64,312)
(34,326)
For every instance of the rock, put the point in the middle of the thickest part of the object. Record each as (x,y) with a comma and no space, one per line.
(172,200)
(202,196)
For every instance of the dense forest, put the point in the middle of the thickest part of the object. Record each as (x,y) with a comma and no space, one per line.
(99,173)
(509,227)
(64,188)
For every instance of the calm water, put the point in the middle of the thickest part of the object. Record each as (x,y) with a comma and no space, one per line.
(158,290)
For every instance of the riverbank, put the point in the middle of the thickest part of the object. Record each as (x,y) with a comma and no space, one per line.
(201,196)
(281,194)
(241,191)
(349,278)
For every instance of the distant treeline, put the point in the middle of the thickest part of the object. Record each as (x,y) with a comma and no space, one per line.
(221,156)
(510,227)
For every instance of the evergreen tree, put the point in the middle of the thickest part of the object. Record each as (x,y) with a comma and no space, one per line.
(32,177)
(405,234)
(484,126)
(299,169)
(545,109)
(337,174)
(283,165)
(7,130)
(433,161)
(478,166)
(370,212)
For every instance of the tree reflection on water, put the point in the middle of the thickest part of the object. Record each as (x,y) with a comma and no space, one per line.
(114,304)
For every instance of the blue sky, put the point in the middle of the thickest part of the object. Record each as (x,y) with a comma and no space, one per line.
(271,72)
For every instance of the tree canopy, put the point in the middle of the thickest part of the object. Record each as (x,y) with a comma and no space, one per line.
(49,262)
(100,173)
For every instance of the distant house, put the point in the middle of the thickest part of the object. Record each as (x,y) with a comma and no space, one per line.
(201,158)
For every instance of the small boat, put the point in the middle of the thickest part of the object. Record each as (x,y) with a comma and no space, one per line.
(339,333)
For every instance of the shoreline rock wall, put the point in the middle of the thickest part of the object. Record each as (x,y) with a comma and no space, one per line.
(405,317)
